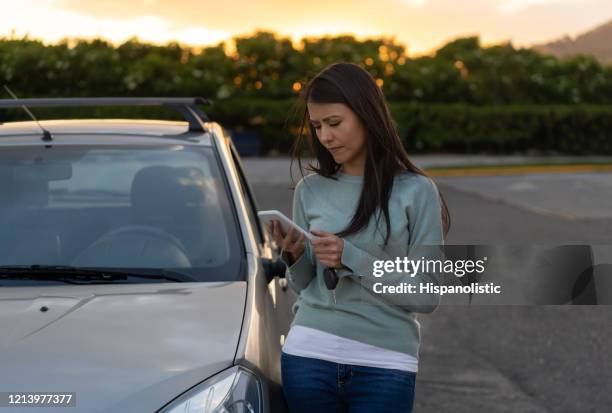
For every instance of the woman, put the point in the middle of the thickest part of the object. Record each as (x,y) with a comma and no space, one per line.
(352,348)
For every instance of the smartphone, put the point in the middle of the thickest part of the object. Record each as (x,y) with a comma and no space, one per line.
(286,223)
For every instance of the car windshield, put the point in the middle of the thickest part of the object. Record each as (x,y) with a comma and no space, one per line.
(163,207)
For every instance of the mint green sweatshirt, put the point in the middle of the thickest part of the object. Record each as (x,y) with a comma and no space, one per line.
(383,320)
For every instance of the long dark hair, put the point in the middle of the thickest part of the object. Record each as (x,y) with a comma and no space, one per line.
(385,155)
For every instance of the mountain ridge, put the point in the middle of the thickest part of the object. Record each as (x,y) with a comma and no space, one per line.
(596,42)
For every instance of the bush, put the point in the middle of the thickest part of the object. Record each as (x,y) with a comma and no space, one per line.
(423,128)
(454,128)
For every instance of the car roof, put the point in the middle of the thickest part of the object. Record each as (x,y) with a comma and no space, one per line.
(91,131)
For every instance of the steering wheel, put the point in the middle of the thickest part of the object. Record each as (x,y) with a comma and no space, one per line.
(135,246)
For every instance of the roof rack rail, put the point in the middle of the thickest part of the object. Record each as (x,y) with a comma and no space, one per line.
(187,107)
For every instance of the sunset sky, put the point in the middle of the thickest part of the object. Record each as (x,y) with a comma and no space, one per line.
(421,25)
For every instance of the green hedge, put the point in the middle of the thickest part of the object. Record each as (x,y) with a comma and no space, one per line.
(454,128)
(573,130)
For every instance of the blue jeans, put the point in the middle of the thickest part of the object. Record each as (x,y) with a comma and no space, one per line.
(319,386)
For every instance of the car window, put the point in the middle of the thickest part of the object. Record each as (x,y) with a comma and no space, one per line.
(247,194)
(162,206)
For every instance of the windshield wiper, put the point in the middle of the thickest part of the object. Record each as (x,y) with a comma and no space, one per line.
(75,274)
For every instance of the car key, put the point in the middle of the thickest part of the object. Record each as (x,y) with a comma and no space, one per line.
(331,280)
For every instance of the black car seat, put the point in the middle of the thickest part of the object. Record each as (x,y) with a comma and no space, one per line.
(181,201)
(28,236)
(160,204)
(171,203)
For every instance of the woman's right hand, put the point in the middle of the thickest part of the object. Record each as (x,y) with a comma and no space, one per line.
(292,243)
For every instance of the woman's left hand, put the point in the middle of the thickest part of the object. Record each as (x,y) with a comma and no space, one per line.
(328,248)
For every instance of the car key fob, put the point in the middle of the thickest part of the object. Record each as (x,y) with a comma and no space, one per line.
(331,278)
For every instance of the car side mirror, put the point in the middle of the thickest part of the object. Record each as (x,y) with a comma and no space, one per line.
(274,268)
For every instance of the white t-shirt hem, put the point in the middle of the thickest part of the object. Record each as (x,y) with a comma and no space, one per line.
(309,342)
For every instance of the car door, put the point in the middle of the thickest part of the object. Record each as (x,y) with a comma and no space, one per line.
(282,296)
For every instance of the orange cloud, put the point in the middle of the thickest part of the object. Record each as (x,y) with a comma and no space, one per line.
(420,24)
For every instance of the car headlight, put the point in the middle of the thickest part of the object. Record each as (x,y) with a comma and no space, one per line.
(234,390)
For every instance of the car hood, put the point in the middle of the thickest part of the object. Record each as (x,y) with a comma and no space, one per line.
(119,348)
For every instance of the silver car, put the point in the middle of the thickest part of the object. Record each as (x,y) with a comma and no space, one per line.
(134,273)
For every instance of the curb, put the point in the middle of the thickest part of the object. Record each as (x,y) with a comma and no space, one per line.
(516,169)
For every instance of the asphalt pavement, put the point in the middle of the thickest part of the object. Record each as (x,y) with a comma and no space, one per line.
(506,358)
